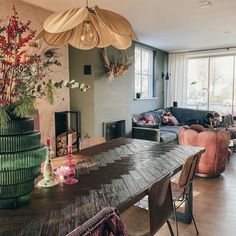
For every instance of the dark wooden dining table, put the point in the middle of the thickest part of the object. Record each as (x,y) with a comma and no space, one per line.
(117,174)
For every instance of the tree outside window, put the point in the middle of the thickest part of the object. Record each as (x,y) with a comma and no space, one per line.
(211,84)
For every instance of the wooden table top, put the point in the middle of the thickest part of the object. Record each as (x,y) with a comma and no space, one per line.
(117,173)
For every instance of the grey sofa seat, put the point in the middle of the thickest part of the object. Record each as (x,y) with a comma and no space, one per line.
(168,137)
(169,134)
(171,129)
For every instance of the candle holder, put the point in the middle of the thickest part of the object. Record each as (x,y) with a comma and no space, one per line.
(48,180)
(66,174)
(70,162)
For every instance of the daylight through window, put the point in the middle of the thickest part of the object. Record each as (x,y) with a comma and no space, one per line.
(212,84)
(143,72)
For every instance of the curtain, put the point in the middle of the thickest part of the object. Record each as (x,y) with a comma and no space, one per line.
(176,87)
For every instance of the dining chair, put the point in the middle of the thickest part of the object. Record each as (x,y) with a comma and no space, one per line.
(92,141)
(104,223)
(181,190)
(142,222)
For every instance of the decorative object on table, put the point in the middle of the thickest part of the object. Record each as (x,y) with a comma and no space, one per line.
(20,157)
(22,81)
(66,123)
(69,155)
(66,174)
(86,28)
(22,74)
(116,68)
(48,180)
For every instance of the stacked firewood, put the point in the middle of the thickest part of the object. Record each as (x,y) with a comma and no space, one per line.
(62,142)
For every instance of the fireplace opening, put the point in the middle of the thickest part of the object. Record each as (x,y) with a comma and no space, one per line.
(114,129)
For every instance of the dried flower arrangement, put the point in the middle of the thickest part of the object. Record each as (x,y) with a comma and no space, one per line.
(23,74)
(119,68)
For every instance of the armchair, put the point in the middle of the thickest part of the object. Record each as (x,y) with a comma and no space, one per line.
(212,162)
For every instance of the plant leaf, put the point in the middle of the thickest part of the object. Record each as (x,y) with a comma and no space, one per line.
(4,118)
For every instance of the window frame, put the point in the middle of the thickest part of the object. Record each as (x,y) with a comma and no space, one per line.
(142,74)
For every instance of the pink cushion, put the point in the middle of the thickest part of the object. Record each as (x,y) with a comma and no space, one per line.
(172,121)
(149,119)
(198,128)
(141,122)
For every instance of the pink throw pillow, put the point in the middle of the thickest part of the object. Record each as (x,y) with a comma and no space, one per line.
(141,122)
(172,121)
(149,119)
(198,128)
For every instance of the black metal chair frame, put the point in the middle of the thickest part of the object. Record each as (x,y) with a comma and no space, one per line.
(187,194)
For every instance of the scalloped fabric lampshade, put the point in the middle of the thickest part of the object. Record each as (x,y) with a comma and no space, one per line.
(86,28)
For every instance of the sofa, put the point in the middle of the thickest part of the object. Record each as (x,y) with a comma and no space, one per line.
(149,125)
(216,142)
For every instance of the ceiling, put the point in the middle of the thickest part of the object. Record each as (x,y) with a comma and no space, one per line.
(171,25)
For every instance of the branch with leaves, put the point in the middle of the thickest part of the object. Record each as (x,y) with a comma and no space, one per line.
(23,75)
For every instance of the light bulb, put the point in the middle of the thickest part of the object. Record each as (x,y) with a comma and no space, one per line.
(88,36)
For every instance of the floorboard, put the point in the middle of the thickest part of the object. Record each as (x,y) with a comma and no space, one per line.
(214,205)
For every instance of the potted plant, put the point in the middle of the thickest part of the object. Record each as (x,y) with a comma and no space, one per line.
(138,95)
(22,81)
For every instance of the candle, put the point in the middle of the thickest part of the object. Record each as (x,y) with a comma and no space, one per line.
(48,142)
(69,139)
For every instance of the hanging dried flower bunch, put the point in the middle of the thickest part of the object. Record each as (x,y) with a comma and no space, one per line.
(119,68)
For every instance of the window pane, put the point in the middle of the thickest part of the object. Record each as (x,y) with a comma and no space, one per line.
(143,71)
(146,62)
(138,88)
(145,87)
(137,60)
(221,84)
(197,90)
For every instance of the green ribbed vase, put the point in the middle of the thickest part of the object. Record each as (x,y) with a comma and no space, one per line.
(21,155)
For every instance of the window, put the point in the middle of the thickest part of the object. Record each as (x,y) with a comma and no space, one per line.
(211,84)
(144,72)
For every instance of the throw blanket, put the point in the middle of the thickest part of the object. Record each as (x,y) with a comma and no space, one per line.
(105,223)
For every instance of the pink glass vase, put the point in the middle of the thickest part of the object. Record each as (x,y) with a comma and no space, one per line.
(70,157)
(66,175)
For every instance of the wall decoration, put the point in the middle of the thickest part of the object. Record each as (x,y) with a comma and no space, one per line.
(116,68)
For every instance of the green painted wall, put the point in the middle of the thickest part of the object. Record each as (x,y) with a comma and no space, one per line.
(108,101)
(83,102)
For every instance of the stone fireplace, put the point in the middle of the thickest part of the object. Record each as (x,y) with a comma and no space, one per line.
(114,129)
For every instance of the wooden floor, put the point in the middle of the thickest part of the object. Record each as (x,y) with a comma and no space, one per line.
(214,205)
